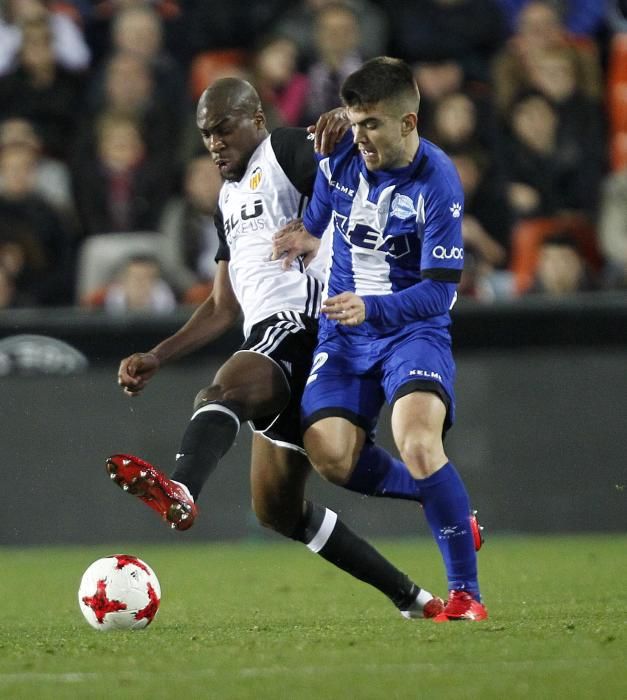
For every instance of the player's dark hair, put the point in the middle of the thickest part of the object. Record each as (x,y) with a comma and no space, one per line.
(379,79)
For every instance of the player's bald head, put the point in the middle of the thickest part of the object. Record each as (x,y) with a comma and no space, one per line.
(227,97)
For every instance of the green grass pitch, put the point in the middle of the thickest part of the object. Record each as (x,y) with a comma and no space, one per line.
(269,619)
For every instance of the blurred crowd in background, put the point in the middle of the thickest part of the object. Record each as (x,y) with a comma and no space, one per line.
(107,194)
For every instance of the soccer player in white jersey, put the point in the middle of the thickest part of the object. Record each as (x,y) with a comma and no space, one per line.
(396,205)
(266,180)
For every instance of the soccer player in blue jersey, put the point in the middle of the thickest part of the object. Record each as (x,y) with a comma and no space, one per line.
(396,206)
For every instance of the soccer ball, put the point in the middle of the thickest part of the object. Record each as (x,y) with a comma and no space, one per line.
(119,592)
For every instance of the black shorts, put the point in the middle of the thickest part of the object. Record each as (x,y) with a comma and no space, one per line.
(288,338)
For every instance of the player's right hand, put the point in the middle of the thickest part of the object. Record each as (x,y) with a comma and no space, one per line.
(136,370)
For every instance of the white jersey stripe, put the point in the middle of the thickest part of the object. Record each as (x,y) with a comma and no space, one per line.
(274,335)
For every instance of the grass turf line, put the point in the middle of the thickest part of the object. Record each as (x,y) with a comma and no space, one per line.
(271,620)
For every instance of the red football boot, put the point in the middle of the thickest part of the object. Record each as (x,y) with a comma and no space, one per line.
(153,487)
(461,606)
(477,531)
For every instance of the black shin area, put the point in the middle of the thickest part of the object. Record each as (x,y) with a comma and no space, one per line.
(325,534)
(208,436)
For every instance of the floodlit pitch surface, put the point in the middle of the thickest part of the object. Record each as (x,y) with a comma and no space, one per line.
(265,620)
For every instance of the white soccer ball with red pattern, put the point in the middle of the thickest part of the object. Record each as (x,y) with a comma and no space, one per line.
(119,592)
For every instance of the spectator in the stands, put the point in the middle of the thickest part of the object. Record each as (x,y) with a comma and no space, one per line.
(69,45)
(41,249)
(101,15)
(234,24)
(542,178)
(127,85)
(138,287)
(299,22)
(488,221)
(122,189)
(555,73)
(580,17)
(52,179)
(190,239)
(480,281)
(539,28)
(336,55)
(41,90)
(466,31)
(139,29)
(282,87)
(562,269)
(455,122)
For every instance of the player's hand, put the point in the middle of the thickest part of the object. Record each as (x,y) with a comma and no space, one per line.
(328,130)
(347,308)
(136,370)
(291,241)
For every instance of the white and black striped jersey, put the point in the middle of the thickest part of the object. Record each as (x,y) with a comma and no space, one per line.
(272,192)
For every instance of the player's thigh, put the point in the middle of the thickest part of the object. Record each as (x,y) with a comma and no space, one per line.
(421,362)
(252,380)
(278,477)
(340,386)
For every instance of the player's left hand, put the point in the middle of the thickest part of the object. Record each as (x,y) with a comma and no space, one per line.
(328,130)
(347,308)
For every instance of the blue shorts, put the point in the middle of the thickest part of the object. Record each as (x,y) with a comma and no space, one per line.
(352,374)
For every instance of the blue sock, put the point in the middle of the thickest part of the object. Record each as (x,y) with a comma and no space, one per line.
(447,509)
(377,473)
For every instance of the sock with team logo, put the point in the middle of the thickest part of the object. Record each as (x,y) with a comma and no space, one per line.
(209,435)
(447,509)
(377,473)
(325,534)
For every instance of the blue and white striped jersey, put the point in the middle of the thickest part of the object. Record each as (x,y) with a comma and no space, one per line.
(397,238)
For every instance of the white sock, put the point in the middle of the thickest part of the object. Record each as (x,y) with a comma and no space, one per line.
(178,483)
(423,598)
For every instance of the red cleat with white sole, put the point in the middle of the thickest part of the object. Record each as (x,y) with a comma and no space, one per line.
(477,531)
(153,487)
(461,606)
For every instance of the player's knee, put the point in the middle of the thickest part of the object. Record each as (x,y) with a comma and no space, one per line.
(422,453)
(334,465)
(207,394)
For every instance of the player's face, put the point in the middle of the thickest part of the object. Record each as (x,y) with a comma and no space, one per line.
(231,141)
(381,136)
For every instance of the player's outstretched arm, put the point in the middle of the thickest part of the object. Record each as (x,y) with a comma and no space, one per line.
(294,240)
(328,130)
(210,320)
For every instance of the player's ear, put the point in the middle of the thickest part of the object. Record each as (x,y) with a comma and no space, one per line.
(259,119)
(409,122)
